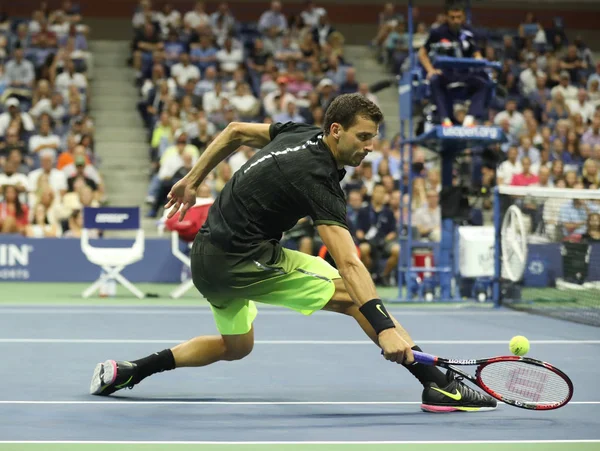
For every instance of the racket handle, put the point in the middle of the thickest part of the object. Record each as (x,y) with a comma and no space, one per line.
(424,358)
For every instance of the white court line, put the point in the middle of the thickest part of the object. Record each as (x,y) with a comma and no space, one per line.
(242,403)
(205,310)
(285,342)
(407,442)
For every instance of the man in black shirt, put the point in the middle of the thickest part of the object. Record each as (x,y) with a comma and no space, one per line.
(237,259)
(455,39)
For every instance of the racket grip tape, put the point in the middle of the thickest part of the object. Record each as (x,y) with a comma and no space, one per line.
(424,358)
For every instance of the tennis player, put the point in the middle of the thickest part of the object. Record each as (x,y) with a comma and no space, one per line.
(237,259)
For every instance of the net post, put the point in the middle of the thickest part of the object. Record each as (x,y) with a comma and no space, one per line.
(497,248)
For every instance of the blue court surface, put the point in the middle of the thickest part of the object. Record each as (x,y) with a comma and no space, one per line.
(313,383)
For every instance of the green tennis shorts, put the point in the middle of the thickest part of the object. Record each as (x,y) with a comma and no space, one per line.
(270,274)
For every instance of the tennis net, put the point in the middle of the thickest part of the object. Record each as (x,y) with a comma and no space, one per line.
(550,251)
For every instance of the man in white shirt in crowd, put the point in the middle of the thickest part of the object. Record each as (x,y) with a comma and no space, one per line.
(53,106)
(229,58)
(196,17)
(69,77)
(56,178)
(44,139)
(183,71)
(213,100)
(528,76)
(13,108)
(510,167)
(582,106)
(516,119)
(312,14)
(568,91)
(428,218)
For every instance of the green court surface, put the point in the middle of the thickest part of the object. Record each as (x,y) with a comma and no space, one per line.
(366,446)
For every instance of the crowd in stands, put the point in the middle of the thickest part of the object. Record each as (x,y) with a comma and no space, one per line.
(48,169)
(198,70)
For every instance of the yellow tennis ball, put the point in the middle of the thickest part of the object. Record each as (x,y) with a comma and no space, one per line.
(519,345)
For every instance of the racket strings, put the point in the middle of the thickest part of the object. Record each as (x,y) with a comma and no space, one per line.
(525,383)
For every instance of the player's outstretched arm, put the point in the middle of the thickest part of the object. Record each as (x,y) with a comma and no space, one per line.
(236,134)
(356,277)
(362,290)
(183,194)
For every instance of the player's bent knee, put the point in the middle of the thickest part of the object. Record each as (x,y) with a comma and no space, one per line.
(395,250)
(238,346)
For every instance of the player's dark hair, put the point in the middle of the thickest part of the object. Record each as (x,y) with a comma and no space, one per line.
(455,5)
(347,108)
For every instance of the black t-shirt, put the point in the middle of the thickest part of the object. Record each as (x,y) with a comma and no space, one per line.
(293,176)
(444,42)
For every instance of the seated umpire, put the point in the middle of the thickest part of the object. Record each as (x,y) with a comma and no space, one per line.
(454,39)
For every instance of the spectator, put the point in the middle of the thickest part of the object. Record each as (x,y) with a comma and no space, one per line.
(377,235)
(56,178)
(573,216)
(515,118)
(80,165)
(45,139)
(290,115)
(573,63)
(582,106)
(10,177)
(355,204)
(14,215)
(183,71)
(20,74)
(272,23)
(212,101)
(14,113)
(589,173)
(246,105)
(427,218)
(592,136)
(11,143)
(40,226)
(168,19)
(229,58)
(197,17)
(203,54)
(568,91)
(528,77)
(509,168)
(69,78)
(525,177)
(544,180)
(311,14)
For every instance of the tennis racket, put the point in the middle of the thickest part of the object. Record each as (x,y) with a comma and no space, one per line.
(518,381)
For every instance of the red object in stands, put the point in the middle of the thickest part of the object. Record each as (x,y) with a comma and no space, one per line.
(193,221)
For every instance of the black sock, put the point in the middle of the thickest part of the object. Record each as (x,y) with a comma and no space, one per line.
(427,374)
(154,363)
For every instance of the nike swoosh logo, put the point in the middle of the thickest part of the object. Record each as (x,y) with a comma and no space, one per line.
(456,396)
(379,308)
